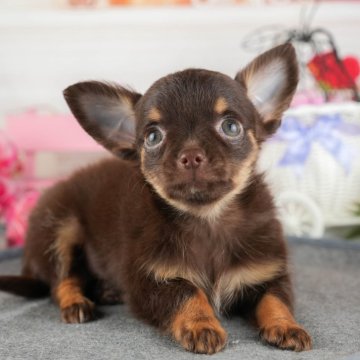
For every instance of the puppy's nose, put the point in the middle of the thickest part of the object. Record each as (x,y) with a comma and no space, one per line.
(191,159)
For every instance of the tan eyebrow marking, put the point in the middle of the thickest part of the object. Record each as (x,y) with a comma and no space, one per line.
(220,105)
(154,114)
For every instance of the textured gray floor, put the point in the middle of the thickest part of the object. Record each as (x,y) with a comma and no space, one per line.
(327,282)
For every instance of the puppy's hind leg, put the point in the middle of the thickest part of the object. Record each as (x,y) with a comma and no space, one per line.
(72,276)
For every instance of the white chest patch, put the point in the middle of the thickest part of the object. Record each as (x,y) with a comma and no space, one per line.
(228,285)
(232,282)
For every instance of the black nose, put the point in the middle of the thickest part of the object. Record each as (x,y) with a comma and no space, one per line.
(191,159)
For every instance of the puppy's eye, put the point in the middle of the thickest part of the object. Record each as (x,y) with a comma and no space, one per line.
(154,138)
(231,128)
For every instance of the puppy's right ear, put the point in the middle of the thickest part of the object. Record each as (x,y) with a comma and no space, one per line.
(270,81)
(106,112)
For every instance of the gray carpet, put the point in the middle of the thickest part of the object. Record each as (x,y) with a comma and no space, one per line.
(327,279)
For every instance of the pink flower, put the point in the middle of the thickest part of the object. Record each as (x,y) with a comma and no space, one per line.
(16,201)
(10,163)
(17,217)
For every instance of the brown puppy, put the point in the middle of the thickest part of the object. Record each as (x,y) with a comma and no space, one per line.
(180,226)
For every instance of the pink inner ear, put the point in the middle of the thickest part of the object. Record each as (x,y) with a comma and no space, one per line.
(265,85)
(110,120)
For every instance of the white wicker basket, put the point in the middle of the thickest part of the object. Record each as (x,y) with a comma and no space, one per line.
(320,192)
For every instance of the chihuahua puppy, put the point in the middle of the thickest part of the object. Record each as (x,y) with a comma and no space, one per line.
(179,224)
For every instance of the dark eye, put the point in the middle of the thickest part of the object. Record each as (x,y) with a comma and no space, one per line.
(231,127)
(153,138)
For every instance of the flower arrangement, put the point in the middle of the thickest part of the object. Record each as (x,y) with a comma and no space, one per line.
(16,198)
(330,73)
(326,76)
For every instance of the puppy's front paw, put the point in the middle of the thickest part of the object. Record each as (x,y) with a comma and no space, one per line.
(78,312)
(287,336)
(202,336)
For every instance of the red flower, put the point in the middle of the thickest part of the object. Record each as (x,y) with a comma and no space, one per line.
(332,74)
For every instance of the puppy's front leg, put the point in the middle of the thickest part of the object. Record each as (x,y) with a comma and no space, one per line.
(182,310)
(277,325)
(195,326)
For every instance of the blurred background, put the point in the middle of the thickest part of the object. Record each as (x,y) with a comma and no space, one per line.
(312,164)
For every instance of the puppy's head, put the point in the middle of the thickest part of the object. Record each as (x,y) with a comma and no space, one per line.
(197,132)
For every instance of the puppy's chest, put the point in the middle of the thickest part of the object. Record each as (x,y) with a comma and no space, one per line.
(219,266)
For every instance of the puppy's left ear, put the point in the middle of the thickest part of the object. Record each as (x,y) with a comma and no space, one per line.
(270,81)
(106,112)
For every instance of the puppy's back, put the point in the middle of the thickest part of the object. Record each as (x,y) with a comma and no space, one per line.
(92,198)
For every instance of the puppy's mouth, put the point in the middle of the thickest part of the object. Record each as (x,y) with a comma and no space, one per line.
(199,192)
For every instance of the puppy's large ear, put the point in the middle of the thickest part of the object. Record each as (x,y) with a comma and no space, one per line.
(106,112)
(270,81)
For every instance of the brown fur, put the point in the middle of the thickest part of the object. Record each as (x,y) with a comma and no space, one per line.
(180,225)
(68,237)
(74,306)
(278,326)
(196,328)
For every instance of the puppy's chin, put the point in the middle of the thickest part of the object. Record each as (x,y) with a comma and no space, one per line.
(205,197)
(206,201)
(199,193)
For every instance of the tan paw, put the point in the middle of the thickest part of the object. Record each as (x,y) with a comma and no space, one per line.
(287,336)
(204,336)
(78,312)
